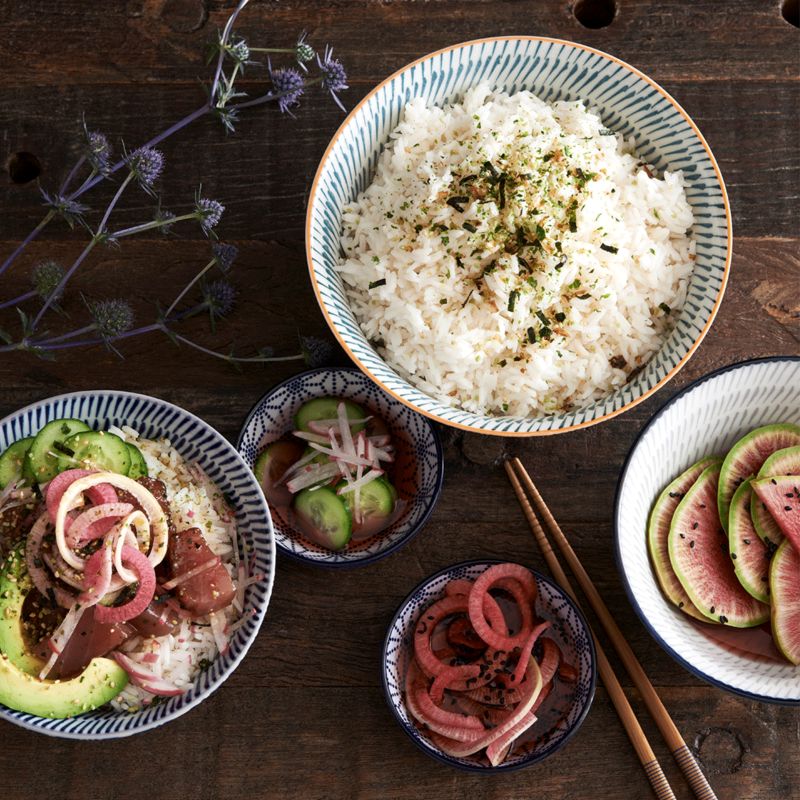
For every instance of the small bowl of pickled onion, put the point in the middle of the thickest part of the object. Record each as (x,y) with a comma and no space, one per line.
(489,666)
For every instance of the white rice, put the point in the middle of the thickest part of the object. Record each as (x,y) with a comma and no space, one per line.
(444,322)
(195,503)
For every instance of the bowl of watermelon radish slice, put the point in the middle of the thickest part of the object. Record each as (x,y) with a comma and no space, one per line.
(349,473)
(708,528)
(489,666)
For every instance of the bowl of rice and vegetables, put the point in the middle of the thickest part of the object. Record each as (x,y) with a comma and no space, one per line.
(137,563)
(519,236)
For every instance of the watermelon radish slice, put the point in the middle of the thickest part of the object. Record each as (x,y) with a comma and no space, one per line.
(784,581)
(781,496)
(747,456)
(750,555)
(784,462)
(698,551)
(658,536)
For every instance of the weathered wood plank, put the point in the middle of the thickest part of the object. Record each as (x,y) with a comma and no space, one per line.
(263,173)
(162,41)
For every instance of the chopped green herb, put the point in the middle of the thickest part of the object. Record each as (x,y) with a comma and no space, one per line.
(575,284)
(545,333)
(468,226)
(376,260)
(455,202)
(609,248)
(543,318)
(584,296)
(512,299)
(443,301)
(541,233)
(531,336)
(376,284)
(560,316)
(665,308)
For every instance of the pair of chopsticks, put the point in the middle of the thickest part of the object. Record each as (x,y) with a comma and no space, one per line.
(686,761)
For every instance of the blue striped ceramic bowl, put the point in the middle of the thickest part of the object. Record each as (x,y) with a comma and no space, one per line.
(559,716)
(273,417)
(629,102)
(705,418)
(196,441)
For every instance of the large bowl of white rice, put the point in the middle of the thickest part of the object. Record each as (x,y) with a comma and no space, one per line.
(519,236)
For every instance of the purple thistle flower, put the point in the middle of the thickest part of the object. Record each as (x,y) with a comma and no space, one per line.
(334,77)
(303,51)
(209,212)
(225,255)
(45,278)
(70,210)
(146,164)
(289,85)
(111,317)
(220,298)
(98,151)
(316,352)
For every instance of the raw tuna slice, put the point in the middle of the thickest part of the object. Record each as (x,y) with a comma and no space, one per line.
(698,552)
(746,457)
(781,495)
(750,555)
(658,536)
(784,581)
(784,462)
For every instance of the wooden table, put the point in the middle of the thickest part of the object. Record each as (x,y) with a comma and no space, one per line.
(304,715)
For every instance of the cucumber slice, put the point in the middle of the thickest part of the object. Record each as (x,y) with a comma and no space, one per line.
(138,467)
(41,463)
(327,408)
(323,517)
(95,450)
(12,461)
(376,499)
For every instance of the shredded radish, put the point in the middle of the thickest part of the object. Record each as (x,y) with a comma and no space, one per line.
(310,437)
(145,678)
(192,573)
(344,431)
(311,475)
(381,440)
(306,459)
(217,621)
(371,475)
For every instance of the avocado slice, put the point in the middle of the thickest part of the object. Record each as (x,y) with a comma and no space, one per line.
(15,583)
(20,689)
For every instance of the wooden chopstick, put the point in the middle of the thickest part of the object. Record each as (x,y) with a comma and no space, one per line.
(686,761)
(641,745)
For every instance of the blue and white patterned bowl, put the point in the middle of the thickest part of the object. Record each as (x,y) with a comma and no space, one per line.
(272,417)
(705,418)
(196,441)
(569,630)
(629,103)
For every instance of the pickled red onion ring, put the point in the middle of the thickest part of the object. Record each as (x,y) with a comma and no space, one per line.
(146,679)
(85,526)
(39,576)
(147,587)
(97,576)
(145,498)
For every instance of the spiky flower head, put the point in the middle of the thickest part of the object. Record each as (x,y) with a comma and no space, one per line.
(334,77)
(45,278)
(239,51)
(71,210)
(111,317)
(98,151)
(289,85)
(146,164)
(219,297)
(209,212)
(225,255)
(228,117)
(303,51)
(165,218)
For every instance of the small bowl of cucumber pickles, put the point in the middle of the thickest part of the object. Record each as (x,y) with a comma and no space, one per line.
(350,474)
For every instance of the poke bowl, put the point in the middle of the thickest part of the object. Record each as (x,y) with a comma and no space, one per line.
(478,702)
(719,601)
(398,286)
(138,563)
(350,474)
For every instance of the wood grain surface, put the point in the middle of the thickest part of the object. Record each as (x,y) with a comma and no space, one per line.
(304,715)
